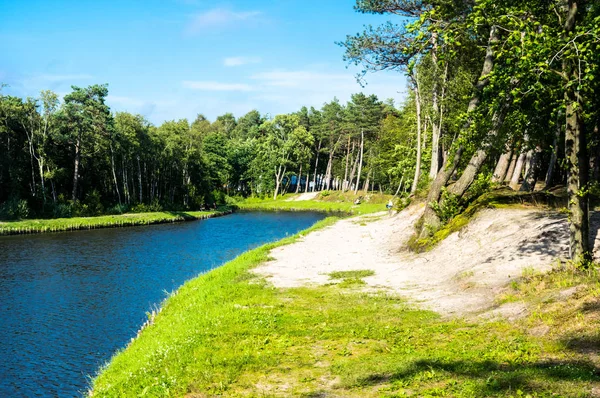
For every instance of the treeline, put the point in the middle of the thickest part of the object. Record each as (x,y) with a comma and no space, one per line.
(523,76)
(76,157)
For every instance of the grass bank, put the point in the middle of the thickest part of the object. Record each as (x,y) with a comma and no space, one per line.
(113,221)
(228,333)
(326,201)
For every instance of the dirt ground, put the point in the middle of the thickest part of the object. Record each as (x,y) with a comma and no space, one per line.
(460,276)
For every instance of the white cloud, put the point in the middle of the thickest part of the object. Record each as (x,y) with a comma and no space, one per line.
(216,86)
(239,61)
(218,17)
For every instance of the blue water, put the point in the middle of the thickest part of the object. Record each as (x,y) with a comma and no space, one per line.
(68,301)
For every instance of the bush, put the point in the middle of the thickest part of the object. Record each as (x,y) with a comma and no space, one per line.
(448,207)
(481,185)
(117,209)
(92,205)
(14,209)
(62,210)
(147,208)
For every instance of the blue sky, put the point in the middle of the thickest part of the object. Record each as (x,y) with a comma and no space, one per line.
(172,59)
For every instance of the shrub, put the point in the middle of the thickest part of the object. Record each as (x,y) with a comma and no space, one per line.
(448,207)
(481,185)
(147,208)
(62,210)
(117,209)
(14,209)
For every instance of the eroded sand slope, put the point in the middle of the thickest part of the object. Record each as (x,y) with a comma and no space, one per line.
(460,276)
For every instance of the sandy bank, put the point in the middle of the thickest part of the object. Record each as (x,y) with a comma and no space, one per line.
(462,275)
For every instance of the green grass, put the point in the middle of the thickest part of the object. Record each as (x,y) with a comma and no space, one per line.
(346,207)
(122,220)
(361,273)
(227,333)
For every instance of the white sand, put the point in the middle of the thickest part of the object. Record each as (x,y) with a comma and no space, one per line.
(303,196)
(462,275)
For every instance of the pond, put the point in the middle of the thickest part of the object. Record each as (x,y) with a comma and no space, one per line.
(70,300)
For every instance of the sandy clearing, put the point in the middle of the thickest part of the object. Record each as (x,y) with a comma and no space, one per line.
(462,275)
(303,196)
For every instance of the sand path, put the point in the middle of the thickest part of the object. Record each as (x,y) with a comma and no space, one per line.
(462,275)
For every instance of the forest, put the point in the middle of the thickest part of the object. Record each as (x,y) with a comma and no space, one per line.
(500,92)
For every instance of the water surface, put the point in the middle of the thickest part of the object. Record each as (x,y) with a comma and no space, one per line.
(69,300)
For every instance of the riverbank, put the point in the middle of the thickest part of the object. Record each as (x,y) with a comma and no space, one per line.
(112,221)
(326,202)
(234,332)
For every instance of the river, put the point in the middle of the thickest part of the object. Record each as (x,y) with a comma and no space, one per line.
(70,300)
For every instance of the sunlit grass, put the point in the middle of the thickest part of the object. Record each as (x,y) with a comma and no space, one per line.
(122,220)
(228,333)
(312,205)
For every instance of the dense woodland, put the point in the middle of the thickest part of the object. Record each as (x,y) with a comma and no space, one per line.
(61,158)
(500,92)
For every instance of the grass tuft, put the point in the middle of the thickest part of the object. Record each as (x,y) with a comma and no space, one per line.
(361,273)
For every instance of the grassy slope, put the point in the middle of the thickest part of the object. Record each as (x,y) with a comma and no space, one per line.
(228,333)
(333,202)
(75,223)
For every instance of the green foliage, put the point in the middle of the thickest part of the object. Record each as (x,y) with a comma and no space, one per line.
(147,208)
(62,210)
(14,209)
(448,207)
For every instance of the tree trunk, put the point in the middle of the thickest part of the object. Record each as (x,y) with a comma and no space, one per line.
(114,173)
(299,178)
(76,168)
(553,158)
(576,152)
(53,188)
(516,175)
(437,154)
(328,170)
(399,186)
(316,166)
(511,168)
(344,183)
(430,218)
(307,178)
(480,156)
(532,170)
(366,186)
(362,145)
(431,221)
(501,167)
(42,179)
(353,171)
(278,179)
(140,178)
(415,183)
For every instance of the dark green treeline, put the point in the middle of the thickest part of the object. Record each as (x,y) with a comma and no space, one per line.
(74,156)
